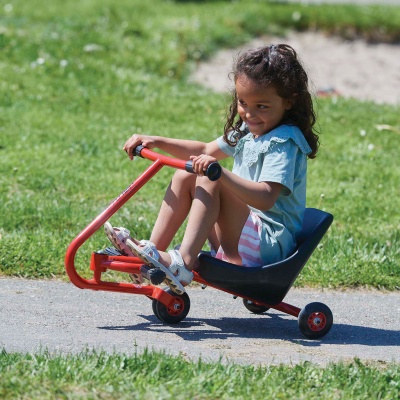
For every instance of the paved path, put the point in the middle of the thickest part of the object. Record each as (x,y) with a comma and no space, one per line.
(60,317)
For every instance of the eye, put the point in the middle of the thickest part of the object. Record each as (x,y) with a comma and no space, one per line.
(241,102)
(262,107)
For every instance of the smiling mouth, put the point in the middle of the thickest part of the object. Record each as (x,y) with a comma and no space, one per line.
(253,123)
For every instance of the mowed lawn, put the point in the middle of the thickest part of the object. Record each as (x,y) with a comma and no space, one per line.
(79,77)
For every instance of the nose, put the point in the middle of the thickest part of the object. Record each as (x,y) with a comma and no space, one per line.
(249,114)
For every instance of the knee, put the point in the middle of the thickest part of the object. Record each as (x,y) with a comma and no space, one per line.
(182,180)
(203,181)
(183,177)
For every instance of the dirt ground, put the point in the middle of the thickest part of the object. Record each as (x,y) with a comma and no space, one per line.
(352,69)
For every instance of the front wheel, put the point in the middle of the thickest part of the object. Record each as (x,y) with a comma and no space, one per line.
(315,320)
(176,311)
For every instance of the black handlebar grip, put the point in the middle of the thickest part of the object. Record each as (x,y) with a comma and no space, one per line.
(213,171)
(137,150)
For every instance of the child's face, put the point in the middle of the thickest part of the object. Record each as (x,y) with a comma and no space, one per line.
(260,107)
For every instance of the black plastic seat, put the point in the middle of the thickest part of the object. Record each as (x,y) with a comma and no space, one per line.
(269,283)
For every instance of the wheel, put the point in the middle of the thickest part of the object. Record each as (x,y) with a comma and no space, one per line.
(315,320)
(176,311)
(254,308)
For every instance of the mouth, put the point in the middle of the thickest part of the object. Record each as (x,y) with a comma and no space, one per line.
(252,123)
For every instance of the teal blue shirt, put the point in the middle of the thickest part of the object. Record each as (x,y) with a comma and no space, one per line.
(277,156)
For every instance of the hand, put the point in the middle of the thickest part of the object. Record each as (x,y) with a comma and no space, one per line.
(201,162)
(137,140)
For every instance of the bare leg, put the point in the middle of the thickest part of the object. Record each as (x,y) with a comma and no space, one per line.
(215,213)
(174,209)
(213,239)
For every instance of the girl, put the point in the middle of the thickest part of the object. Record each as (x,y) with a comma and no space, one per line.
(252,215)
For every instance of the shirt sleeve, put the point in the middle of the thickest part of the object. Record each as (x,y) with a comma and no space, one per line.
(279,165)
(225,147)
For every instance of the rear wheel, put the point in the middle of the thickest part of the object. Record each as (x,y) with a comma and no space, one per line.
(176,311)
(253,307)
(315,320)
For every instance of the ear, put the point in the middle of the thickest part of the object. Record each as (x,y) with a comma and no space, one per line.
(290,102)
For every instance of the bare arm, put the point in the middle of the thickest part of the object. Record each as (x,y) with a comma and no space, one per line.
(260,195)
(179,148)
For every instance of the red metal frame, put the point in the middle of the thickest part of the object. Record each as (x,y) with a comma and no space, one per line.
(100,263)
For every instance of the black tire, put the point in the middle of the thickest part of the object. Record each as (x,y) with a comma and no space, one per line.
(174,313)
(315,320)
(254,308)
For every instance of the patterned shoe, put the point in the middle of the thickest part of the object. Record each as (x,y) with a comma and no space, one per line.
(170,279)
(118,237)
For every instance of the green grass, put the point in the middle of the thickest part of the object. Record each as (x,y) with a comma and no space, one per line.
(153,375)
(79,77)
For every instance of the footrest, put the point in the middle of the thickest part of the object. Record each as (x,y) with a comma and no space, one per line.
(155,275)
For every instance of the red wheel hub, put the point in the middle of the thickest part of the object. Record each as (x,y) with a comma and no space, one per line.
(317,321)
(176,306)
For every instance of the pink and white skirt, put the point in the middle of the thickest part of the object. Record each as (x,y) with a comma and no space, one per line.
(249,242)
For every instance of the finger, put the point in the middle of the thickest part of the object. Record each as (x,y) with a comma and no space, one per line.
(128,151)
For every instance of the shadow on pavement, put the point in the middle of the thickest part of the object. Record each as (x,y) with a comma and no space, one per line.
(272,326)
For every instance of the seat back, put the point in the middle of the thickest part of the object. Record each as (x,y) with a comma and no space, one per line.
(315,224)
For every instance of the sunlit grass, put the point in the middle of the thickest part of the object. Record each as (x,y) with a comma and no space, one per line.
(77,78)
(152,375)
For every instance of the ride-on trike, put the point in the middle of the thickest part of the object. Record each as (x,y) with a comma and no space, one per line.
(261,288)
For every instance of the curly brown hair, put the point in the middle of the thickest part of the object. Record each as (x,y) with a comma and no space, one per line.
(278,66)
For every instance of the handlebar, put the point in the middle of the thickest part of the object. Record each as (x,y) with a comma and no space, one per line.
(213,171)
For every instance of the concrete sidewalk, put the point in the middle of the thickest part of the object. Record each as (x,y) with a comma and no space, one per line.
(60,317)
